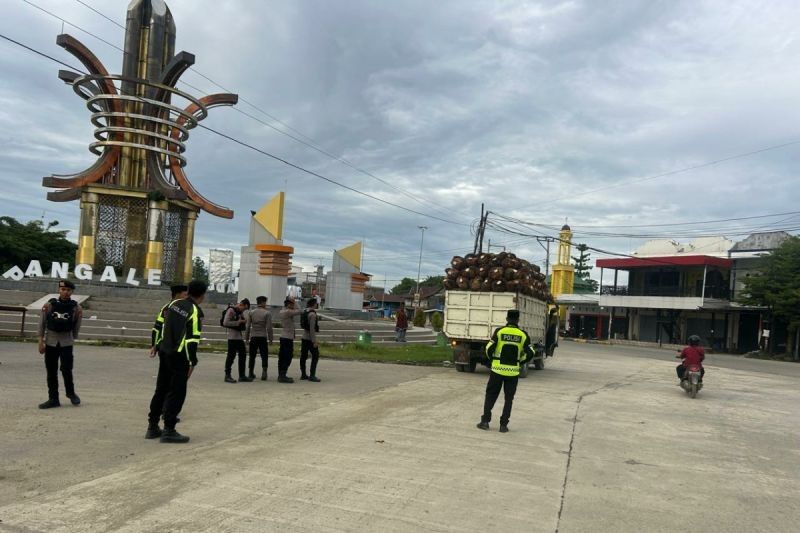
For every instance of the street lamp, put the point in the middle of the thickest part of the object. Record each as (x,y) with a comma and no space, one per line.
(419,265)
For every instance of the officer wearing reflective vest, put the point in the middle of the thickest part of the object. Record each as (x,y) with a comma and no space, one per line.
(508,349)
(178,349)
(164,377)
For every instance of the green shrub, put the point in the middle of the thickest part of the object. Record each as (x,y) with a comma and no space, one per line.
(419,318)
(437,321)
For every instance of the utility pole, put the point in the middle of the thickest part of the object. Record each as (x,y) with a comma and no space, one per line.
(419,265)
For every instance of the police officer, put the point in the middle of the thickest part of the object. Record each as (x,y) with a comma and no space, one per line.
(508,348)
(309,342)
(58,329)
(257,331)
(178,346)
(164,378)
(286,350)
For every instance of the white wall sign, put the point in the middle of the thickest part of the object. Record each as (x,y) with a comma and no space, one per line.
(82,272)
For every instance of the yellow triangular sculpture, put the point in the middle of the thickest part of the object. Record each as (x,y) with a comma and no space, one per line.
(270,216)
(352,254)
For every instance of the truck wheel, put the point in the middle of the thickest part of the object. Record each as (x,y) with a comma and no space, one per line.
(459,368)
(538,364)
(523,371)
(471,366)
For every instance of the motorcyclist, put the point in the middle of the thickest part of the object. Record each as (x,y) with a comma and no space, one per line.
(692,355)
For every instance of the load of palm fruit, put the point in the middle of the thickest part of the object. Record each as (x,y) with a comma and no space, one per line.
(503,272)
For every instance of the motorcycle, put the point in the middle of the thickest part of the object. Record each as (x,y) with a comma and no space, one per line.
(691,380)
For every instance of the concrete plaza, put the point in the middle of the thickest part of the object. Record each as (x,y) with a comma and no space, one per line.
(601,440)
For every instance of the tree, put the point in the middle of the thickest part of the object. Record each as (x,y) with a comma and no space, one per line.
(582,266)
(777,286)
(199,270)
(408,285)
(21,243)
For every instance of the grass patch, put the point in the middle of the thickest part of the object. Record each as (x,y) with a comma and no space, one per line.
(404,354)
(773,357)
(407,354)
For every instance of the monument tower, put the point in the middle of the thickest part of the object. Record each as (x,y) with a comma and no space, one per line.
(138,208)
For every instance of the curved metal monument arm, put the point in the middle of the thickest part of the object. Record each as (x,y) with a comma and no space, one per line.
(111,155)
(88,59)
(67,195)
(212,100)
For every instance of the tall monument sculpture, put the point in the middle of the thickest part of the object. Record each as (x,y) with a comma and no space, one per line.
(138,208)
(345,284)
(563,277)
(265,263)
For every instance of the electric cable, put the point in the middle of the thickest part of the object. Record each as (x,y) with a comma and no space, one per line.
(265,153)
(310,143)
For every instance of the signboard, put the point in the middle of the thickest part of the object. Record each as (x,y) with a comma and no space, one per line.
(82,272)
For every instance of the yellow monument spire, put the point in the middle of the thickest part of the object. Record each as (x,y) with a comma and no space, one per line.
(352,254)
(563,276)
(270,216)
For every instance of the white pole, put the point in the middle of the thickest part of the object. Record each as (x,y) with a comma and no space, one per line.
(419,265)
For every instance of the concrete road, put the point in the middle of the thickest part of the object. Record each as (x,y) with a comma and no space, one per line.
(601,440)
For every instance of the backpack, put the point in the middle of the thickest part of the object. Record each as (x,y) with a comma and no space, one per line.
(236,316)
(61,316)
(305,323)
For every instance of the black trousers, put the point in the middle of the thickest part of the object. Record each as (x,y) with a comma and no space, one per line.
(285,354)
(170,393)
(163,382)
(235,348)
(52,355)
(680,370)
(258,345)
(307,346)
(509,386)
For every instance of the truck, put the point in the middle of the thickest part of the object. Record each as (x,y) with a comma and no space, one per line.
(470,318)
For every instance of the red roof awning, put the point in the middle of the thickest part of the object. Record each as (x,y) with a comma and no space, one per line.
(626,263)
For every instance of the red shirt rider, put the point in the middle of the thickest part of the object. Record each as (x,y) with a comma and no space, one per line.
(693,356)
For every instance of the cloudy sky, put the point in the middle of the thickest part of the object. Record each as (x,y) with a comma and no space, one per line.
(541,110)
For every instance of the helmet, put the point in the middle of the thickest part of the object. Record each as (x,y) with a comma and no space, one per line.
(694,340)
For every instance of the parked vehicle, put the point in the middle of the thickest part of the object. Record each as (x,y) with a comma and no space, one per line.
(470,318)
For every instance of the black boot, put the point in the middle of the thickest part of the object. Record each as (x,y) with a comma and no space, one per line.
(285,379)
(153,431)
(75,399)
(49,403)
(315,379)
(264,375)
(503,428)
(483,425)
(245,379)
(229,379)
(170,435)
(252,375)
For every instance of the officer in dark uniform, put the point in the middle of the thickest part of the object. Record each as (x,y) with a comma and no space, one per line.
(58,328)
(508,349)
(164,378)
(178,348)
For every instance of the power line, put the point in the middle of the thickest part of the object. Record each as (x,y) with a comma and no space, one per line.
(267,154)
(679,171)
(685,233)
(309,143)
(664,225)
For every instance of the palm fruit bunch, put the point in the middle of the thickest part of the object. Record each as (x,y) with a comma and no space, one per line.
(503,272)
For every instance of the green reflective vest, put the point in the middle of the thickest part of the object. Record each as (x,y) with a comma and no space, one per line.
(507,349)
